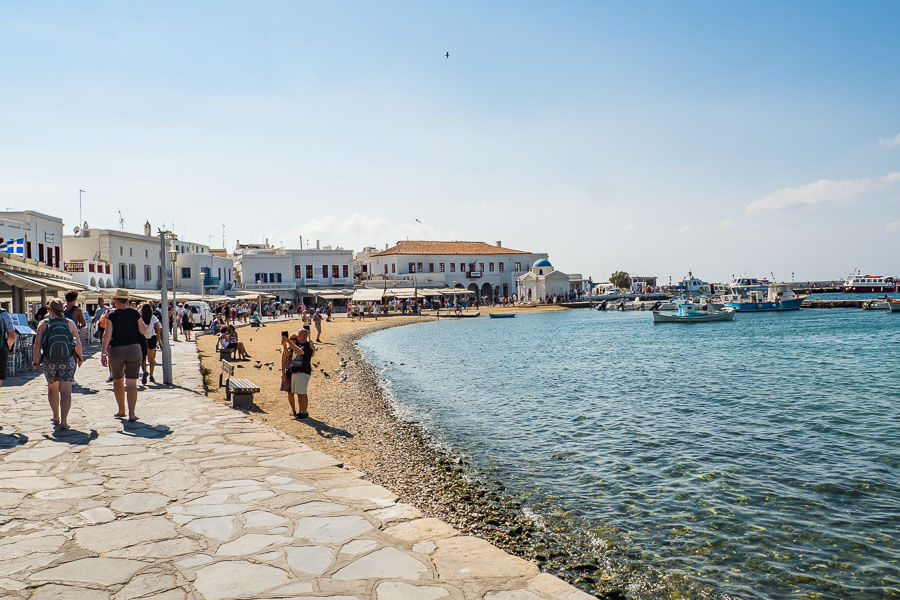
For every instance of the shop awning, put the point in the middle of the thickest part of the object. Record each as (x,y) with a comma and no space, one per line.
(20,281)
(368,295)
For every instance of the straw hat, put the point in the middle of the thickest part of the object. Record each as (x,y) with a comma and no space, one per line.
(122,294)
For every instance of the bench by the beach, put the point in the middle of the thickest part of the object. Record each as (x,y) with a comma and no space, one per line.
(238,391)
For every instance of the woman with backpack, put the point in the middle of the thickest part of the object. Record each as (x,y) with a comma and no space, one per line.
(57,349)
(187,322)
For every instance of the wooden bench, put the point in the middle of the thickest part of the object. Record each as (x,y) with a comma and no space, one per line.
(237,391)
(226,353)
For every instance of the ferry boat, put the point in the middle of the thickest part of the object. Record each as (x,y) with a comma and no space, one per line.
(870,284)
(779,297)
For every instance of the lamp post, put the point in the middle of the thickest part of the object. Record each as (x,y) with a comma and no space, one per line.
(173,256)
(166,349)
(259,297)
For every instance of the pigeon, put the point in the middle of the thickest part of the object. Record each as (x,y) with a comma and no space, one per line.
(257,366)
(325,373)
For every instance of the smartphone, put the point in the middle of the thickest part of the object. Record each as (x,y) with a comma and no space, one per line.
(284,334)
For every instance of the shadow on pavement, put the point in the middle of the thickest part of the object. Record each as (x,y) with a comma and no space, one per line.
(144,430)
(11,440)
(72,436)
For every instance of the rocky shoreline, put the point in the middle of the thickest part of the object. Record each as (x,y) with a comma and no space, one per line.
(444,486)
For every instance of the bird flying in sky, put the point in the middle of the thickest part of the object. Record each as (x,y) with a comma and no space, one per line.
(446,55)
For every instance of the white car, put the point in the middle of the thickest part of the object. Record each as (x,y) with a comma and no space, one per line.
(203,315)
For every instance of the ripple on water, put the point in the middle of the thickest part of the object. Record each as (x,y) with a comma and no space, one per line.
(752,459)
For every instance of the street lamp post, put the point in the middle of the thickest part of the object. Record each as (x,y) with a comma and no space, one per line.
(173,256)
(166,349)
(259,297)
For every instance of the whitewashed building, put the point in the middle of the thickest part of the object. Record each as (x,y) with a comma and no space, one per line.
(95,273)
(43,235)
(133,260)
(291,272)
(543,281)
(486,269)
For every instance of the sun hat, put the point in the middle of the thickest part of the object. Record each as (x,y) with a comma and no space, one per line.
(122,294)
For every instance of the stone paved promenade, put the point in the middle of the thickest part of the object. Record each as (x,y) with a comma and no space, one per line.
(196,500)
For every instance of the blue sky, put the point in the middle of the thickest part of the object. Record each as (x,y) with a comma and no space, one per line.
(727,138)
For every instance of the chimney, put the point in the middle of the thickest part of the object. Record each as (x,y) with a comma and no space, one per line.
(317,245)
(147,229)
(499,244)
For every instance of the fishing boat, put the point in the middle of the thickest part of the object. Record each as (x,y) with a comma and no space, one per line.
(780,297)
(501,315)
(876,304)
(687,313)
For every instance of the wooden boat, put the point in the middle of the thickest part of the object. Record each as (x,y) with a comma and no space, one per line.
(501,315)
(687,314)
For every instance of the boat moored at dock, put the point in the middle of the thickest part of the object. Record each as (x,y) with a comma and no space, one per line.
(780,297)
(688,313)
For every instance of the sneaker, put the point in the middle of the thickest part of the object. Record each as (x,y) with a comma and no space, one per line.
(152,380)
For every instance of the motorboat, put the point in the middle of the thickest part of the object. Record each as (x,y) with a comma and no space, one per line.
(779,297)
(501,315)
(894,305)
(876,304)
(687,313)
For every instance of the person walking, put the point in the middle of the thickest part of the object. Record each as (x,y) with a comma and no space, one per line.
(317,321)
(187,322)
(153,336)
(7,341)
(58,352)
(121,352)
(74,312)
(101,310)
(301,368)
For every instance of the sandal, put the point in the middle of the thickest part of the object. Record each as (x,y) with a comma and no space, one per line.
(54,421)
(63,427)
(119,416)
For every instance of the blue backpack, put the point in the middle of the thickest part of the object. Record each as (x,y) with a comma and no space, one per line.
(58,344)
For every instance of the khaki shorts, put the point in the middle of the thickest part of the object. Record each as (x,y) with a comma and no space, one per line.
(299,383)
(125,360)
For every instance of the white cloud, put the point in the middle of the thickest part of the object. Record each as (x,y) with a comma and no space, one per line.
(628,228)
(824,191)
(684,228)
(357,231)
(890,142)
(892,226)
(726,225)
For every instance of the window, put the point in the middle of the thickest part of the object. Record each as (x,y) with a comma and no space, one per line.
(298,272)
(393,267)
(442,267)
(309,272)
(453,267)
(412,267)
(325,271)
(123,271)
(41,252)
(419,267)
(346,271)
(121,251)
(481,267)
(131,252)
(148,273)
(272,277)
(431,267)
(385,269)
(107,269)
(56,257)
(462,267)
(27,249)
(146,253)
(518,266)
(91,267)
(500,265)
(491,267)
(132,271)
(185,272)
(335,271)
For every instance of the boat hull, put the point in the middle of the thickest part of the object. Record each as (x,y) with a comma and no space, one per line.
(894,306)
(722,315)
(869,289)
(501,315)
(766,306)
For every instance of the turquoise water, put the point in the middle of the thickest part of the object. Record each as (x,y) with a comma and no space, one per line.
(751,459)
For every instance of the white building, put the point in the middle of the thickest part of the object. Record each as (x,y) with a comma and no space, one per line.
(543,281)
(43,234)
(95,273)
(134,260)
(487,270)
(292,273)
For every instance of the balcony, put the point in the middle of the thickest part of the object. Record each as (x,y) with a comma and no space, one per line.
(210,281)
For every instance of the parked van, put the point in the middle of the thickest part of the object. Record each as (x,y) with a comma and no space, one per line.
(203,315)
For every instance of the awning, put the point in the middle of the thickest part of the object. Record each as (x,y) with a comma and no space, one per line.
(368,295)
(20,281)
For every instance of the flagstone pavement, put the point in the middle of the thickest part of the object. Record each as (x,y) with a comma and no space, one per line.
(196,500)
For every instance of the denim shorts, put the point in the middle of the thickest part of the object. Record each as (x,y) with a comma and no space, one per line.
(56,371)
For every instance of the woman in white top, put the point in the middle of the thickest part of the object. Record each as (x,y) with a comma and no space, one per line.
(154,339)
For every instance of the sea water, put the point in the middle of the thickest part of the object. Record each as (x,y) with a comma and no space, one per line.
(749,459)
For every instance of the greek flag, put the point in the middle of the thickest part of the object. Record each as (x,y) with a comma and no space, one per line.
(13,247)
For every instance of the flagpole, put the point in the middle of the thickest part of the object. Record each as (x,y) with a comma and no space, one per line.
(80,217)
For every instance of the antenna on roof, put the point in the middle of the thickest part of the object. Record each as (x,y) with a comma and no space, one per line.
(223,235)
(121,220)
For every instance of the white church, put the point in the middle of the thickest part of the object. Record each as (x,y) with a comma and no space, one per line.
(542,281)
